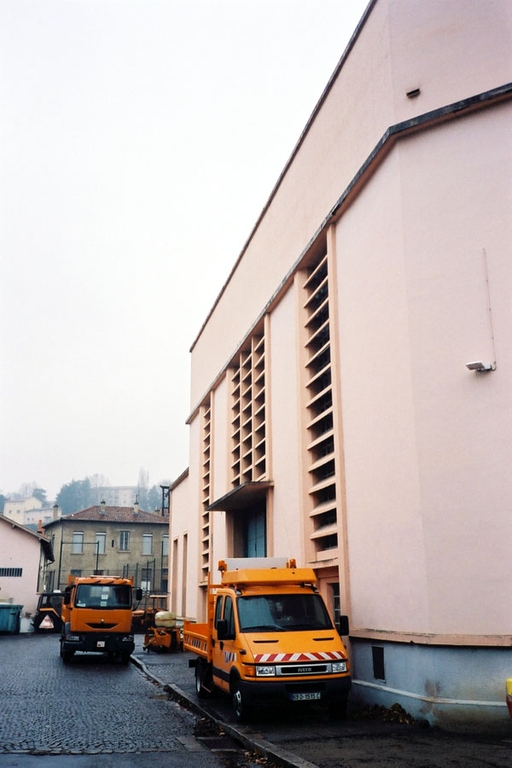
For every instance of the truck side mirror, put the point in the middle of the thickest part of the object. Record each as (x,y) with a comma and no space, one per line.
(343,627)
(67,597)
(222,629)
(138,594)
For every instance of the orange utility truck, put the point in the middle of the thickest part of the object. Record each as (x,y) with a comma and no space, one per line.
(269,638)
(97,617)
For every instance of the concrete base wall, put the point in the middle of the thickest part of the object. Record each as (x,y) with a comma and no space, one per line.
(458,688)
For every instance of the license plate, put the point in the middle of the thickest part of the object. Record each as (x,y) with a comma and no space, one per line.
(305,696)
(100,644)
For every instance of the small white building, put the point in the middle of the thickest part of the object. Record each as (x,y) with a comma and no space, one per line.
(23,554)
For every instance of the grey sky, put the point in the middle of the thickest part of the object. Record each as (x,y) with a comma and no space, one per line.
(139,141)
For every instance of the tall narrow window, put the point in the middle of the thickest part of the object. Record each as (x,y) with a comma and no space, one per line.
(124,541)
(146,579)
(100,543)
(320,416)
(206,485)
(147,543)
(255,534)
(248,414)
(77,546)
(165,544)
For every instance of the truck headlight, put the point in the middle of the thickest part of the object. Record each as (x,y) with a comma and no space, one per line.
(73,638)
(127,639)
(339,666)
(265,670)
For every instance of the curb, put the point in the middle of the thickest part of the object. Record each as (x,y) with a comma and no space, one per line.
(246,736)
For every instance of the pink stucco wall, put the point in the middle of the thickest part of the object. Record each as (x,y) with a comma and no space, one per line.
(428,487)
(421,254)
(440,47)
(19,549)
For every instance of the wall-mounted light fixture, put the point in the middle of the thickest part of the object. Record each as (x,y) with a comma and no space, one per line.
(480,367)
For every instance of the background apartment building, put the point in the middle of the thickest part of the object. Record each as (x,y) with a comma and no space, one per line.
(115,495)
(350,388)
(113,541)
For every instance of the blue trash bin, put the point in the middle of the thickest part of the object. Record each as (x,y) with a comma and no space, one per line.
(10,618)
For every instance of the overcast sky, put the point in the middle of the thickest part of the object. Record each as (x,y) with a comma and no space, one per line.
(139,141)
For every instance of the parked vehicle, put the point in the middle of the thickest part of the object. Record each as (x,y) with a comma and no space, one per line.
(48,612)
(97,617)
(269,638)
(166,634)
(144,611)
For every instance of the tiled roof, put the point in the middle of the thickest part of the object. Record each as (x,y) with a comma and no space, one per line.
(114,515)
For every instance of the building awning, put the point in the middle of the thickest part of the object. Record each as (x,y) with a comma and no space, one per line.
(242,496)
(47,549)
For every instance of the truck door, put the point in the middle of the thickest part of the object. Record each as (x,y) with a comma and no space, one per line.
(224,653)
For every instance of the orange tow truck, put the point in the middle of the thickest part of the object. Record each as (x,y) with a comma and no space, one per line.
(269,639)
(97,617)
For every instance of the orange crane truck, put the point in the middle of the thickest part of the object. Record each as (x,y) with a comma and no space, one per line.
(97,617)
(269,639)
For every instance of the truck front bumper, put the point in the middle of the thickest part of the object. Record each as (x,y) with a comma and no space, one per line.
(330,690)
(98,642)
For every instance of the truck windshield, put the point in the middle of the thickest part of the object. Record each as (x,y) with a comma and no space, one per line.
(103,596)
(263,613)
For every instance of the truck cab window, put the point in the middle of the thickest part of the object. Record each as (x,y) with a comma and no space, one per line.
(218,611)
(104,596)
(283,612)
(229,616)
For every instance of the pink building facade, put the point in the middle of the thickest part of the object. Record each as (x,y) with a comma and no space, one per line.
(334,418)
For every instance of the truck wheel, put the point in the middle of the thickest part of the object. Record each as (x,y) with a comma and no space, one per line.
(202,676)
(66,656)
(240,707)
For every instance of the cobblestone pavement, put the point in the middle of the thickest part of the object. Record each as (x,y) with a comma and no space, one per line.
(102,709)
(89,707)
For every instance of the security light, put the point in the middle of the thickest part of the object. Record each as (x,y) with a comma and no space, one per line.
(480,367)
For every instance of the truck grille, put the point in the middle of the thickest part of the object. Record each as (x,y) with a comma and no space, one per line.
(296,670)
(101,626)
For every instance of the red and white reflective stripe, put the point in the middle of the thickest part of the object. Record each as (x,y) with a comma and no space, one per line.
(276,658)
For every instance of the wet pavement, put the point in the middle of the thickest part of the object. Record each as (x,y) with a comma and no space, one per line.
(303,738)
(95,713)
(172,672)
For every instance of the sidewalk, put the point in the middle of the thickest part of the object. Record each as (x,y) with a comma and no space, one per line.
(166,668)
(172,672)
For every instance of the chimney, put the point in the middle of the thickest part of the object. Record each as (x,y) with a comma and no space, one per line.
(55,512)
(102,507)
(40,528)
(136,507)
